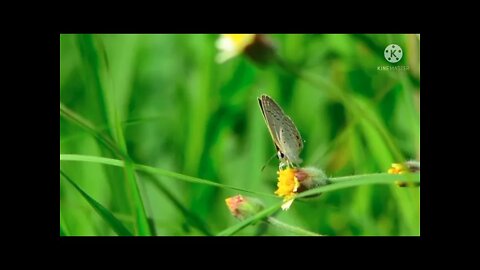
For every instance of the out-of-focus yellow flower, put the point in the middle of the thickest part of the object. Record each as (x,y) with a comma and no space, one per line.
(294,180)
(243,207)
(401,168)
(397,168)
(231,45)
(257,47)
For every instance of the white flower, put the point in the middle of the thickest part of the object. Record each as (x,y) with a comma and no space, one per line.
(231,45)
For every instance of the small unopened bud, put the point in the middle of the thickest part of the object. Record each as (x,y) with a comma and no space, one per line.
(413,166)
(243,207)
(310,177)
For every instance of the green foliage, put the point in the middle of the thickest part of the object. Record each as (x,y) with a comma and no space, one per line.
(116,225)
(155,134)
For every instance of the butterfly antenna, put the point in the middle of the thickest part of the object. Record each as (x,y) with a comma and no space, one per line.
(270,159)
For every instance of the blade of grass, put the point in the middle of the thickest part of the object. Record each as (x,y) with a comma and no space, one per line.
(142,226)
(64,231)
(376,178)
(190,217)
(336,183)
(91,69)
(294,229)
(364,179)
(350,125)
(98,111)
(144,168)
(407,210)
(102,128)
(98,62)
(85,124)
(116,225)
(142,223)
(351,103)
(373,119)
(89,127)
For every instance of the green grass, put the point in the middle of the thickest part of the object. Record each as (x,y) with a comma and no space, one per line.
(154,135)
(108,217)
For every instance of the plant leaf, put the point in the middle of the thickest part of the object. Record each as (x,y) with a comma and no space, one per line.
(116,224)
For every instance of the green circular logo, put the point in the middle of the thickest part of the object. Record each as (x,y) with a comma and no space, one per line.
(393,53)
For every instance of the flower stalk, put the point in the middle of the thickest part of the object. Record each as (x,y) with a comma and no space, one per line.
(296,230)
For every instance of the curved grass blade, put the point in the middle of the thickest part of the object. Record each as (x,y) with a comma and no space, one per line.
(89,128)
(353,105)
(142,224)
(116,225)
(294,229)
(192,219)
(102,128)
(186,178)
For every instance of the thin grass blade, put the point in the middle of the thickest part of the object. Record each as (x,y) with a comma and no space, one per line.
(116,225)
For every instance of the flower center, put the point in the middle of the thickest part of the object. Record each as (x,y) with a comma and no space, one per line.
(287,183)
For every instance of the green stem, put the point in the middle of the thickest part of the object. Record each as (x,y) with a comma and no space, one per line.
(361,179)
(344,181)
(148,169)
(290,228)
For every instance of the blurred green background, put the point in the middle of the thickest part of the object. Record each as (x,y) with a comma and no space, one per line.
(167,102)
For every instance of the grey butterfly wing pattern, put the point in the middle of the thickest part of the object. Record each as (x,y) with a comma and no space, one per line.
(272,114)
(291,141)
(284,133)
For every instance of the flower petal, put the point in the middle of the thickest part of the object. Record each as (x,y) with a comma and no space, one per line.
(286,205)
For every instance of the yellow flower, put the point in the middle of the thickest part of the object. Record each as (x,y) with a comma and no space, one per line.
(288,185)
(287,182)
(407,167)
(295,180)
(397,168)
(231,45)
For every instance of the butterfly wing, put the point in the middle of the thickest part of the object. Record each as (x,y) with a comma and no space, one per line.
(284,133)
(291,141)
(273,115)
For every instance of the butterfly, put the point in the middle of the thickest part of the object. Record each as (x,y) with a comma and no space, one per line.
(285,135)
